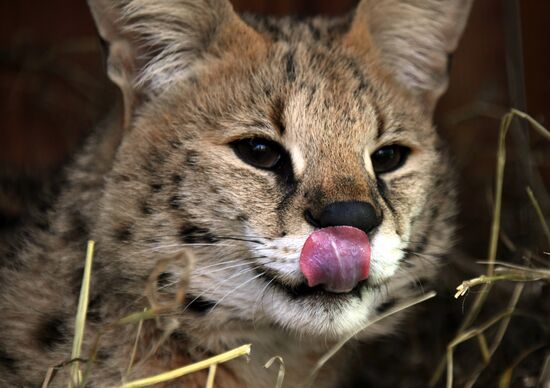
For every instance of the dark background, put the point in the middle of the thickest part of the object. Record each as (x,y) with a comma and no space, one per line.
(53,90)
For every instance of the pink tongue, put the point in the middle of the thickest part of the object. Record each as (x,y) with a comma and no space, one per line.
(337,257)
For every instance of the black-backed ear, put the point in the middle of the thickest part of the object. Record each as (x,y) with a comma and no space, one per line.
(412,39)
(152,43)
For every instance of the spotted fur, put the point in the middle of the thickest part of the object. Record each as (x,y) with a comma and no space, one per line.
(158,185)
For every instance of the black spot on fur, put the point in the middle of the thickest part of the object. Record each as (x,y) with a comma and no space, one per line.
(177,179)
(195,235)
(290,66)
(6,361)
(198,305)
(156,187)
(175,202)
(191,158)
(123,234)
(384,307)
(179,336)
(146,209)
(102,355)
(242,218)
(175,143)
(421,245)
(51,332)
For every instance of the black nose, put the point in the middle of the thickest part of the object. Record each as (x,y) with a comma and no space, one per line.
(361,215)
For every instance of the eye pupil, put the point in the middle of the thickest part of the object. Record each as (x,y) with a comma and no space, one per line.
(389,158)
(260,153)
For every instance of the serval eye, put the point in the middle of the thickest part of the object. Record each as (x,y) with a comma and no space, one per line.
(258,152)
(389,158)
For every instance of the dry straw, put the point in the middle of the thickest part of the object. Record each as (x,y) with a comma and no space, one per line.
(80,322)
(494,274)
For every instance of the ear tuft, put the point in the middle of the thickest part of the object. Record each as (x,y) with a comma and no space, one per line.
(153,43)
(171,36)
(413,39)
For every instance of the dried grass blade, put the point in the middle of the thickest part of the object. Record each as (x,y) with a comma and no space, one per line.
(80,322)
(134,348)
(185,370)
(211,376)
(281,373)
(493,244)
(540,215)
(503,327)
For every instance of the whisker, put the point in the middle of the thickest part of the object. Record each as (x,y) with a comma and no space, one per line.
(245,238)
(220,263)
(202,271)
(260,297)
(432,260)
(218,286)
(412,276)
(427,243)
(236,288)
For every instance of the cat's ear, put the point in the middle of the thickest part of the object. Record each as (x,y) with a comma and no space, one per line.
(413,39)
(152,43)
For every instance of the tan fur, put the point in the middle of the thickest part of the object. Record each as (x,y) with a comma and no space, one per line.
(162,179)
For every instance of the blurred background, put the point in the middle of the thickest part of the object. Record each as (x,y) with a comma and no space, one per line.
(53,90)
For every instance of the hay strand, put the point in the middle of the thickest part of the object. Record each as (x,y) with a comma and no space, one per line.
(80,322)
(243,350)
(280,373)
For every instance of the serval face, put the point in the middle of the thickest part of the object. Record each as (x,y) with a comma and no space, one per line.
(296,159)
